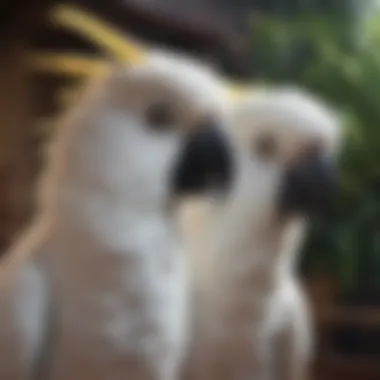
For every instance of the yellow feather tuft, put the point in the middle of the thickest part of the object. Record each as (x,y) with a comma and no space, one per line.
(113,41)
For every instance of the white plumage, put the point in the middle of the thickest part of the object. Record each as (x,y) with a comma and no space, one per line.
(97,288)
(250,317)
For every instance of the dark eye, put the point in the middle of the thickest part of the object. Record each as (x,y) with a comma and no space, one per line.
(160,116)
(266,147)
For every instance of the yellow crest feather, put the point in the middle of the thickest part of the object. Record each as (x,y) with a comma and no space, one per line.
(105,36)
(117,44)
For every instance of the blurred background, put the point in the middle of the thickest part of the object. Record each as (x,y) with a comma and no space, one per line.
(330,46)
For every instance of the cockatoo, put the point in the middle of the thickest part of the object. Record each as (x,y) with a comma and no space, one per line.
(97,288)
(251,320)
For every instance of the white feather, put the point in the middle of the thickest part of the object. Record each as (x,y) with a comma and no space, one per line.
(105,236)
(244,287)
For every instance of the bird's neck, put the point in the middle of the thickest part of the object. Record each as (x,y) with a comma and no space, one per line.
(105,259)
(248,263)
(93,224)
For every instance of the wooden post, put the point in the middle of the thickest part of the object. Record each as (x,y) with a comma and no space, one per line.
(17,156)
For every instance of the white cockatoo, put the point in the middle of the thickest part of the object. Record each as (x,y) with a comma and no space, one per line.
(251,320)
(97,288)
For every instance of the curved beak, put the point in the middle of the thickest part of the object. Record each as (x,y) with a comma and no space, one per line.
(309,187)
(205,163)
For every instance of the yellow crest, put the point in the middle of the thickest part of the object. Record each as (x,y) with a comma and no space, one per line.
(112,41)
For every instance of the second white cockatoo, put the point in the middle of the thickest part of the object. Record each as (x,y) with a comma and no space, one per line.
(251,321)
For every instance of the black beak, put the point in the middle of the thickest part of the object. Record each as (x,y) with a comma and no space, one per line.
(309,187)
(205,163)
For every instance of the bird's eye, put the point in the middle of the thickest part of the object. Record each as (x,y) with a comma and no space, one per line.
(160,116)
(265,147)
